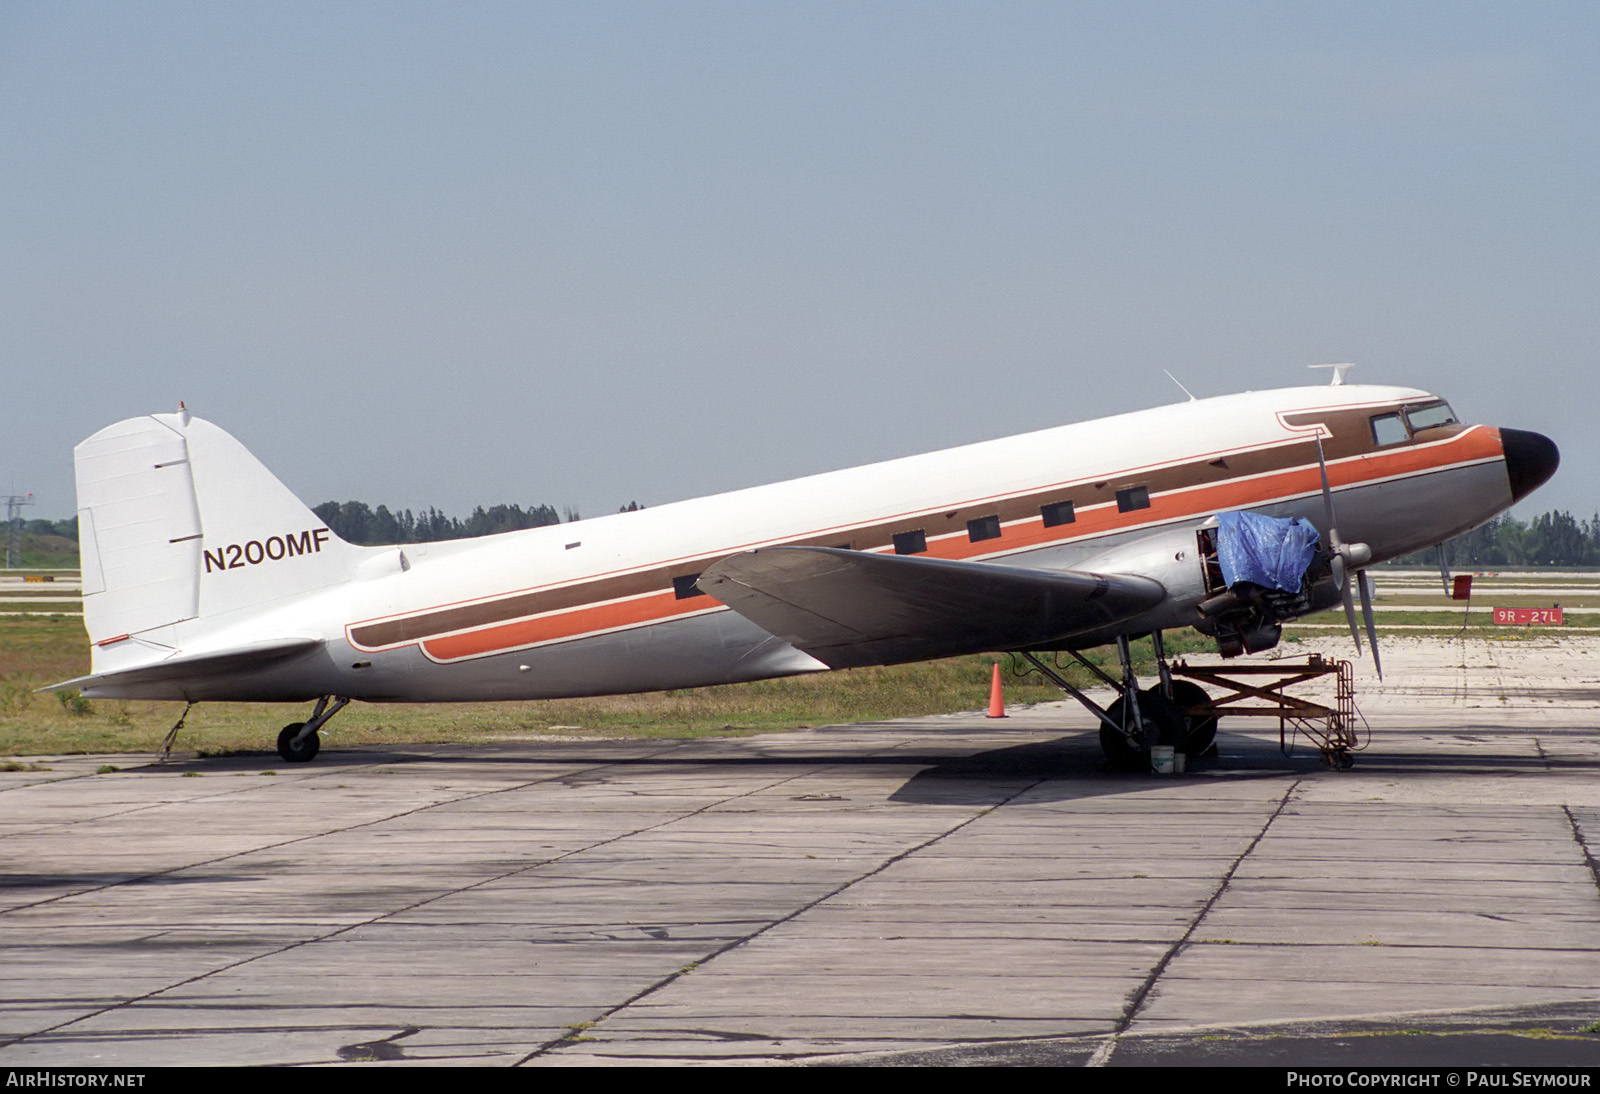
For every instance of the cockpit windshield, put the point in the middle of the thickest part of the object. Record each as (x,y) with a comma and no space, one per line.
(1429,416)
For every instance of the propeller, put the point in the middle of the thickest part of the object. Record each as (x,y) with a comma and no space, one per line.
(1365,580)
(1349,556)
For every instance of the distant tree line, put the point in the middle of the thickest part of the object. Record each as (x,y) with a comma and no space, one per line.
(1549,539)
(355,522)
(67,528)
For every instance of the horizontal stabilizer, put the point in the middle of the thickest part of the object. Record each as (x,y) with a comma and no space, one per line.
(851,608)
(179,676)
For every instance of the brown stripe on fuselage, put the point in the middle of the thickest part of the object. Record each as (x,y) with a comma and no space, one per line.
(1086,496)
(560,626)
(1210,482)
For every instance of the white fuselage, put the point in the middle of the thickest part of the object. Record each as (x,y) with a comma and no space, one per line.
(607,605)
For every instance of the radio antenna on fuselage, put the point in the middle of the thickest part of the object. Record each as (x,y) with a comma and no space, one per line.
(1338,372)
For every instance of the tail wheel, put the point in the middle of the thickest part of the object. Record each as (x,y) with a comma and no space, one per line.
(300,753)
(1201,729)
(1162,723)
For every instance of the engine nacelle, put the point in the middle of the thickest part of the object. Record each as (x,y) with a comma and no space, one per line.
(1172,557)
(1246,618)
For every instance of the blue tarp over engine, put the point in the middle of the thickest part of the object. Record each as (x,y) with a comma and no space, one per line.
(1268,551)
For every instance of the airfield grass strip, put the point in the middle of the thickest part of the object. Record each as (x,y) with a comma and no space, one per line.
(36,650)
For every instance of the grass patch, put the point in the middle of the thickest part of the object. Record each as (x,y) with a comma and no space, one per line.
(40,650)
(74,703)
(45,552)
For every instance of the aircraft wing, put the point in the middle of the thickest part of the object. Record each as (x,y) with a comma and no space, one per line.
(851,608)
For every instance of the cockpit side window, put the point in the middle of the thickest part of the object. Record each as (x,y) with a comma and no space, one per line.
(1389,429)
(1429,416)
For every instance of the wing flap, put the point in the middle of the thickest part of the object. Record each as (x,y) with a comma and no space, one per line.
(851,608)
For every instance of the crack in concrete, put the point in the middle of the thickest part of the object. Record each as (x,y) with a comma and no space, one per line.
(1583,846)
(153,875)
(1102,1054)
(197,978)
(672,978)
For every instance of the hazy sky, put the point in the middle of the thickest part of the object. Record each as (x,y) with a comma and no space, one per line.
(582,253)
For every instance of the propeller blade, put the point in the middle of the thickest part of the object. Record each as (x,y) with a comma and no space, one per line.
(1366,613)
(1335,548)
(1327,492)
(1444,571)
(1350,614)
(1352,554)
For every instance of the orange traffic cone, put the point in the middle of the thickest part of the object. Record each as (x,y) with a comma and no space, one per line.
(997,704)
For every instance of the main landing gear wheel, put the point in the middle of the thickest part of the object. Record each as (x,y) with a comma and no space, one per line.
(299,746)
(300,753)
(1163,724)
(1201,730)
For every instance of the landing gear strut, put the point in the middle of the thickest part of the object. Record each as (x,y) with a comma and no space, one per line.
(299,742)
(1141,719)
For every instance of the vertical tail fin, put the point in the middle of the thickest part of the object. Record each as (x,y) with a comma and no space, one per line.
(177,521)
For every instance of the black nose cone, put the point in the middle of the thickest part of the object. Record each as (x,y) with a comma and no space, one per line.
(1531,458)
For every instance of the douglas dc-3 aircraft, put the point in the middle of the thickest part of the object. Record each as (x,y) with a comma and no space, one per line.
(204,578)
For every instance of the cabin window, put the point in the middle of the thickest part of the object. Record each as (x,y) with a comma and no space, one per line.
(983,528)
(1389,429)
(1134,497)
(1430,416)
(1057,513)
(684,587)
(910,543)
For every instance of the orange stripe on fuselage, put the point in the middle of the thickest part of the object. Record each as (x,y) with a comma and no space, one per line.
(558,626)
(1476,444)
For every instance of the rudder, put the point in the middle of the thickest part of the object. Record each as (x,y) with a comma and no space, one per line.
(178,521)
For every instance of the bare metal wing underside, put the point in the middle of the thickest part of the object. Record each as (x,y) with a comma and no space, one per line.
(850,608)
